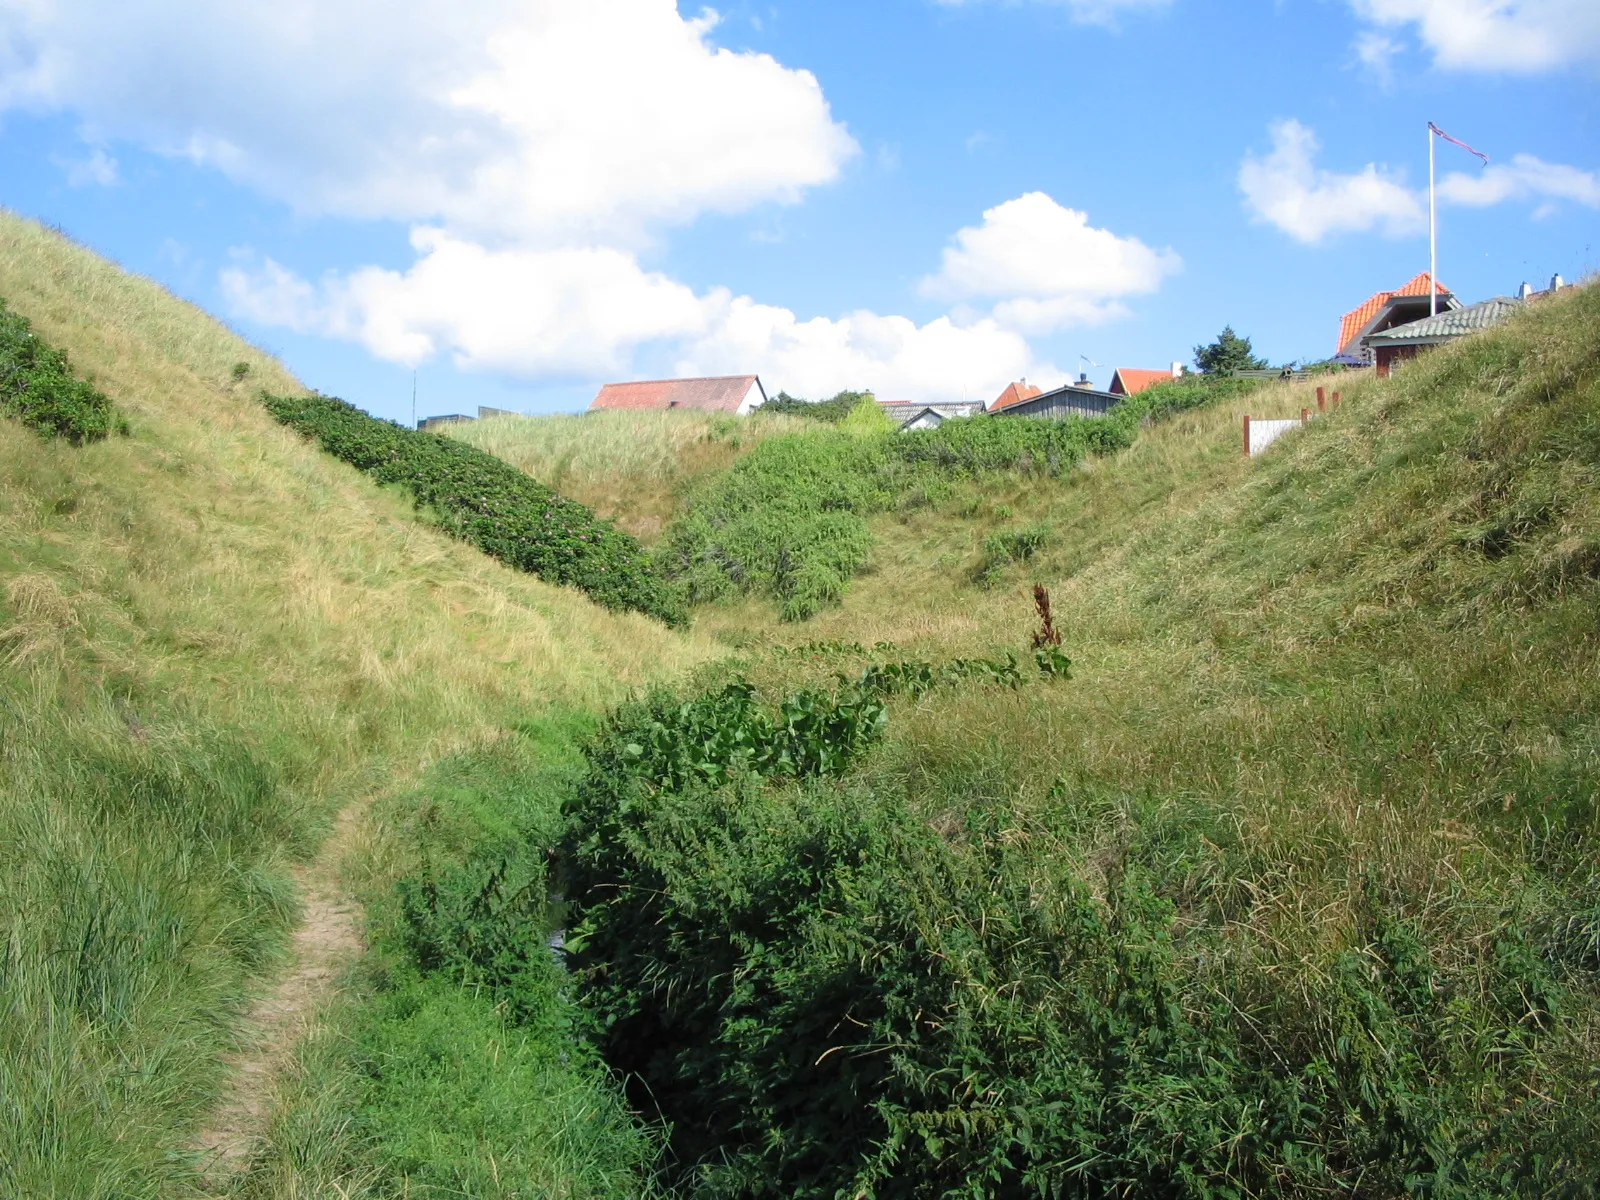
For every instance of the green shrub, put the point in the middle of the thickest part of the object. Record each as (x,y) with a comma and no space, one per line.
(37,387)
(823,993)
(829,412)
(790,519)
(490,504)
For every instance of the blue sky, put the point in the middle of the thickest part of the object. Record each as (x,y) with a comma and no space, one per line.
(924,198)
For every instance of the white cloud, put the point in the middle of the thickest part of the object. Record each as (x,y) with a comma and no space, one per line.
(1377,52)
(893,356)
(1046,266)
(590,312)
(518,120)
(1088,12)
(1495,35)
(99,169)
(1288,190)
(1523,178)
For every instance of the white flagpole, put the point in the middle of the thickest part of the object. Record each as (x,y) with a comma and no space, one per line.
(1433,237)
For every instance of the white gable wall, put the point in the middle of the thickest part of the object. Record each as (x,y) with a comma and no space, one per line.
(752,399)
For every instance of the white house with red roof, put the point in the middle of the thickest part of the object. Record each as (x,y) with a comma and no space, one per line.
(736,394)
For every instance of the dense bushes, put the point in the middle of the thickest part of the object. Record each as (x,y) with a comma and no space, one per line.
(789,519)
(830,412)
(825,993)
(37,387)
(492,505)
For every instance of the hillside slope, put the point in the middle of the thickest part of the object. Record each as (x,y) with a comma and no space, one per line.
(212,638)
(1291,890)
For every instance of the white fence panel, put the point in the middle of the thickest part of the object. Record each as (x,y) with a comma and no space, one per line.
(1264,433)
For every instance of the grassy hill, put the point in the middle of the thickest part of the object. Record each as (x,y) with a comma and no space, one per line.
(634,467)
(212,638)
(1289,890)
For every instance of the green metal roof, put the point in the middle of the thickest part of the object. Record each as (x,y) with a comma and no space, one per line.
(1449,324)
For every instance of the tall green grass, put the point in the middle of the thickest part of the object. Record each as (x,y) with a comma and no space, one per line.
(141,886)
(460,1065)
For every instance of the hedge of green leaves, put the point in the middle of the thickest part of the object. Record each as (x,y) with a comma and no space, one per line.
(490,504)
(830,412)
(790,518)
(37,387)
(823,993)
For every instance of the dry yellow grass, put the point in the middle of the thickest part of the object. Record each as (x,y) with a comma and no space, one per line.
(215,554)
(633,467)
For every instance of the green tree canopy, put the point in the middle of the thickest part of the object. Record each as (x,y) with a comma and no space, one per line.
(1229,353)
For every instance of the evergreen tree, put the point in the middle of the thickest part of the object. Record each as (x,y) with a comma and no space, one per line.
(1228,354)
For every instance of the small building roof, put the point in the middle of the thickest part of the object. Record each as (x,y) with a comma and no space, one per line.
(722,393)
(1447,325)
(1130,381)
(1015,393)
(1359,320)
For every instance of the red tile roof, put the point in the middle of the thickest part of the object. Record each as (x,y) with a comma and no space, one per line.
(1015,393)
(720,394)
(1355,322)
(1130,381)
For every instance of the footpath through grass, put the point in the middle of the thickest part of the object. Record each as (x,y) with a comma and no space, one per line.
(213,637)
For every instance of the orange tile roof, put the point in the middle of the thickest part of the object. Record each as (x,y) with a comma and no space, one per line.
(1355,322)
(1015,393)
(719,394)
(1130,381)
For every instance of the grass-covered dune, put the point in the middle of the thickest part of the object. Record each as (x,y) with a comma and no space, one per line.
(212,638)
(635,467)
(1291,890)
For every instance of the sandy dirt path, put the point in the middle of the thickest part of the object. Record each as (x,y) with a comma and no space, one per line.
(325,944)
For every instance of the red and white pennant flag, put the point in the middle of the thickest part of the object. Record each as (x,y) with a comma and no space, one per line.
(1459,142)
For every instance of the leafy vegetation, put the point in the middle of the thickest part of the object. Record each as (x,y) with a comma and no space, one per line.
(1229,353)
(632,467)
(830,411)
(458,1069)
(38,387)
(823,991)
(790,519)
(484,501)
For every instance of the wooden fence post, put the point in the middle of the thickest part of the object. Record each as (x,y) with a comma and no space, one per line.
(1247,435)
(1322,402)
(1336,399)
(1305,415)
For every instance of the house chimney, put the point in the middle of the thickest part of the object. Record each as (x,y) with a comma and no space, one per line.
(1557,283)
(1525,290)
(1083,381)
(1177,370)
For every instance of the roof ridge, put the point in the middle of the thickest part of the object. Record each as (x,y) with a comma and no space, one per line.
(681,379)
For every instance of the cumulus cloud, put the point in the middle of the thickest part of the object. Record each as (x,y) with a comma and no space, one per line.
(534,121)
(99,169)
(589,312)
(893,356)
(1495,35)
(1523,178)
(536,148)
(1288,190)
(1045,266)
